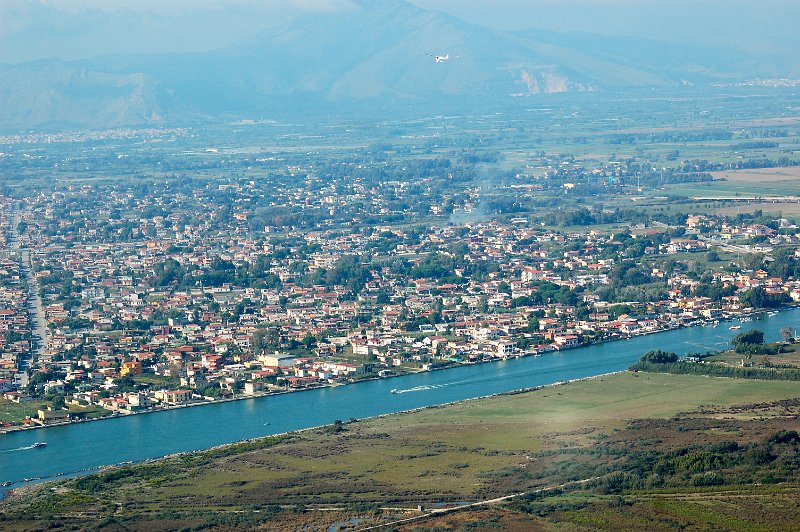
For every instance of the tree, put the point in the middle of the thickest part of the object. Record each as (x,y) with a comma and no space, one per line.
(758,298)
(787,334)
(615,311)
(265,339)
(383,298)
(348,271)
(660,357)
(309,341)
(504,287)
(125,384)
(749,341)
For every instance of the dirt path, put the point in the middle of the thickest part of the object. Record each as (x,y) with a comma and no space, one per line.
(488,502)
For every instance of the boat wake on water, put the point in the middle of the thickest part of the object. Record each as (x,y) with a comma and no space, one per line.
(465,382)
(423,388)
(427,387)
(26,448)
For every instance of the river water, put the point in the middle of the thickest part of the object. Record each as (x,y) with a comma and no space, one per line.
(86,445)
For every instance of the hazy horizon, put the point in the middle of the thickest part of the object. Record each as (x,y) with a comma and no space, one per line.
(78,29)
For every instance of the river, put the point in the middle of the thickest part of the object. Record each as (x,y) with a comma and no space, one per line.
(81,446)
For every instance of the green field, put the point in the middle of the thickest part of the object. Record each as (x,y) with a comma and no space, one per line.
(788,358)
(743,183)
(11,412)
(15,412)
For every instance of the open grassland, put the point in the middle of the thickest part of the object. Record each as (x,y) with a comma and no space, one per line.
(606,429)
(718,190)
(11,412)
(789,357)
(723,205)
(15,412)
(740,184)
(760,175)
(758,508)
(782,208)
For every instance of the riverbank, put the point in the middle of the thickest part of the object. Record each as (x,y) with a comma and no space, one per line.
(188,429)
(241,397)
(298,431)
(170,407)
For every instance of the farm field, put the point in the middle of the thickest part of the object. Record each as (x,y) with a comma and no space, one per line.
(779,208)
(380,469)
(742,184)
(761,175)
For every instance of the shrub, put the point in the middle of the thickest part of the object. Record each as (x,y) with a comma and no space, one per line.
(660,357)
(785,436)
(744,342)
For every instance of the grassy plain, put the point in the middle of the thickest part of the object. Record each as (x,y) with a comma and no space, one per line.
(789,358)
(470,451)
(757,508)
(782,209)
(760,175)
(11,411)
(16,412)
(740,184)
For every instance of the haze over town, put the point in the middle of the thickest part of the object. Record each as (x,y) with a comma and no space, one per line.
(72,29)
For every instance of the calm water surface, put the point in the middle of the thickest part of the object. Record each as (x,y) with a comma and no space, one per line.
(86,445)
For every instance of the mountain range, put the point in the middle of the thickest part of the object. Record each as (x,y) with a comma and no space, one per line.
(376,53)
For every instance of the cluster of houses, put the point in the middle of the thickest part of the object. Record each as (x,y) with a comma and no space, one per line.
(123,337)
(15,328)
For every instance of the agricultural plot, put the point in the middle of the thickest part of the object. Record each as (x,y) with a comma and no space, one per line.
(741,185)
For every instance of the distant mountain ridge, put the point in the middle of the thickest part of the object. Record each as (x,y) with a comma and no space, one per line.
(375,53)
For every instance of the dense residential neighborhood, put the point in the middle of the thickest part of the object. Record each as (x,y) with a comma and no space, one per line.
(168,298)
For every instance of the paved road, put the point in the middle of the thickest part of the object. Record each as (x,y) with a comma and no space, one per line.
(734,248)
(35,309)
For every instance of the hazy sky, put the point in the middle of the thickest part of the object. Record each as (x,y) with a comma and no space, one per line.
(31,29)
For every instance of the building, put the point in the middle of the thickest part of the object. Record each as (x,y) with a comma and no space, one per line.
(253,387)
(138,401)
(131,368)
(174,396)
(276,360)
(50,416)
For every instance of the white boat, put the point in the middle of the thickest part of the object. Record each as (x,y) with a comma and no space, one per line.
(734,327)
